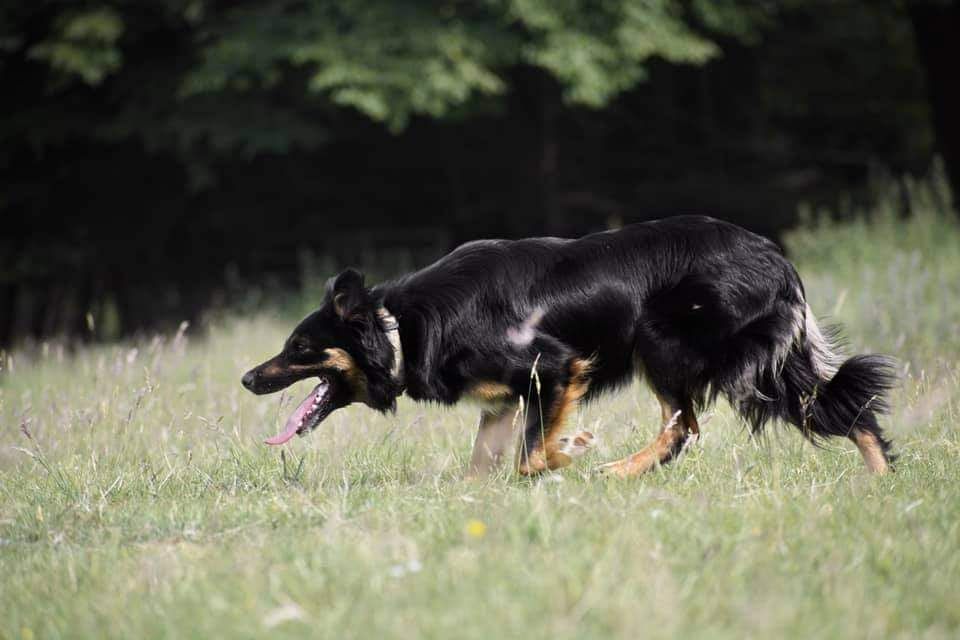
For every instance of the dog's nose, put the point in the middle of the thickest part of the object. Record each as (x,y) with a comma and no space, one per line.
(249,379)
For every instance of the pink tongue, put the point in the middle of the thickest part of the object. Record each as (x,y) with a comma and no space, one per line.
(296,419)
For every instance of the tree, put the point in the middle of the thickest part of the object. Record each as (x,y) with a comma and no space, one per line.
(388,60)
(392,60)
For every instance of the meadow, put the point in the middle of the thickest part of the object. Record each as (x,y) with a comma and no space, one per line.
(137,499)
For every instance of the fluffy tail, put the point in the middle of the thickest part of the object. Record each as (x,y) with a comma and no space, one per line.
(824,395)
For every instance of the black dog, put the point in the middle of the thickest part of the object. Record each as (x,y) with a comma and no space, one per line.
(700,307)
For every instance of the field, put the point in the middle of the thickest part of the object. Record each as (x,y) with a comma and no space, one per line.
(136,498)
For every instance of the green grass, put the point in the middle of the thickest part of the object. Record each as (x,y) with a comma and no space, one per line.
(143,503)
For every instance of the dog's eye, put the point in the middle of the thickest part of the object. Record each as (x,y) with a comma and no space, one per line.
(302,347)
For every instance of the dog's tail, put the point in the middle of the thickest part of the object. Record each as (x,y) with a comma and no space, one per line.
(824,395)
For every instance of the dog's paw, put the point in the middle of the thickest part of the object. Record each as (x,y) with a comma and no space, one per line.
(626,468)
(577,444)
(632,465)
(616,469)
(565,449)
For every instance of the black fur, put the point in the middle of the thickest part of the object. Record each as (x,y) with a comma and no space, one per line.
(700,307)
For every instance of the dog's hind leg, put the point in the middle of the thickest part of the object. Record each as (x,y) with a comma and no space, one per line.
(679,423)
(496,438)
(873,449)
(543,447)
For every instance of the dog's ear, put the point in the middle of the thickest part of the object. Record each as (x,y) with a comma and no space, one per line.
(348,293)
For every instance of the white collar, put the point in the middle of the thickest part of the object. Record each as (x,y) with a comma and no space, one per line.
(392,329)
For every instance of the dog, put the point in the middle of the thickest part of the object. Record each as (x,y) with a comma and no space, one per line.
(698,307)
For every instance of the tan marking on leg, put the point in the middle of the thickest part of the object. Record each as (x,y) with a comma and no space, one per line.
(486,391)
(495,436)
(344,363)
(871,451)
(674,432)
(653,455)
(546,454)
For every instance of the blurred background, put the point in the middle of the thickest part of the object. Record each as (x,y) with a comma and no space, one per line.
(163,159)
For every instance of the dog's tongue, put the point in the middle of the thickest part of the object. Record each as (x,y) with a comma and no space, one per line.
(300,417)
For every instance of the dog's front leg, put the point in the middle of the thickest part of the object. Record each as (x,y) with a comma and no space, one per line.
(496,438)
(543,447)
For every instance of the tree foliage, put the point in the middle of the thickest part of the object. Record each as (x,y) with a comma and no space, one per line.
(388,60)
(82,43)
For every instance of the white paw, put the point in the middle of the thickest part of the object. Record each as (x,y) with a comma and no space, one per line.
(577,444)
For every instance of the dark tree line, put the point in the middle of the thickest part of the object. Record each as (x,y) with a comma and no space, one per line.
(161,158)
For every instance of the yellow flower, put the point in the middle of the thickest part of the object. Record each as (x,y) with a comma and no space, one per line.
(476,528)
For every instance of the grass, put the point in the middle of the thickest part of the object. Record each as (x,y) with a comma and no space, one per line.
(136,498)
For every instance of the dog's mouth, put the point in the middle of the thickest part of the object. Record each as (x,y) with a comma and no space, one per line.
(320,403)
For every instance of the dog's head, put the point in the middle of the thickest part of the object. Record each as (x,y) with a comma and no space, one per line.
(344,344)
